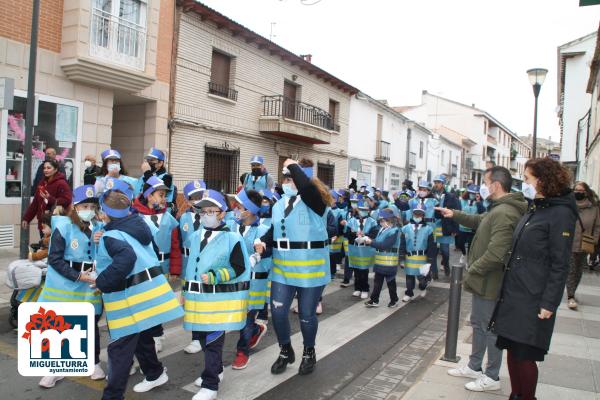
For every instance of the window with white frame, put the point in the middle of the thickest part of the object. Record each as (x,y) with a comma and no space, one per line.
(58,125)
(118,31)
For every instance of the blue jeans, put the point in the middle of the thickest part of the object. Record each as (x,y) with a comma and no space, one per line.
(249,330)
(281,300)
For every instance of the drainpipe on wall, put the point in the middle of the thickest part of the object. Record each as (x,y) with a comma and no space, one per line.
(407,165)
(173,75)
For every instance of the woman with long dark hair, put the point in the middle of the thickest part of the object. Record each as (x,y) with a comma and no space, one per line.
(536,273)
(300,260)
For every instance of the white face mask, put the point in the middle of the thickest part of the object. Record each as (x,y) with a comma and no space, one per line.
(210,221)
(363,213)
(113,167)
(417,219)
(422,193)
(484,191)
(87,163)
(529,191)
(289,190)
(86,215)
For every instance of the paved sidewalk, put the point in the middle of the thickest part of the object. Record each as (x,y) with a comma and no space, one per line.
(571,370)
(6,257)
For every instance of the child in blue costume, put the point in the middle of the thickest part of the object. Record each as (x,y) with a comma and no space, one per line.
(417,248)
(136,295)
(255,235)
(351,209)
(386,257)
(112,167)
(469,205)
(360,255)
(155,165)
(152,205)
(189,222)
(215,292)
(426,199)
(71,264)
(445,228)
(337,241)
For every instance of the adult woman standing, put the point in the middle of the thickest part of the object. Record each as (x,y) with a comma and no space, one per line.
(588,223)
(52,191)
(300,260)
(536,274)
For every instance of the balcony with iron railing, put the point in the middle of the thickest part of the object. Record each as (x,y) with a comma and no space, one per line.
(296,120)
(102,49)
(117,40)
(222,91)
(382,151)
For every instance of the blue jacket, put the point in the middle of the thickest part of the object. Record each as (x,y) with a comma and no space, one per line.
(122,253)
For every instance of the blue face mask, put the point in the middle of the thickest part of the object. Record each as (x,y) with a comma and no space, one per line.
(288,190)
(363,213)
(265,209)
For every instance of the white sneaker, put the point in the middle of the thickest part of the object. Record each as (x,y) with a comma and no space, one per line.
(423,293)
(295,309)
(462,259)
(205,394)
(98,373)
(198,382)
(356,293)
(319,308)
(193,348)
(264,322)
(145,385)
(158,343)
(406,298)
(464,372)
(364,295)
(483,384)
(49,381)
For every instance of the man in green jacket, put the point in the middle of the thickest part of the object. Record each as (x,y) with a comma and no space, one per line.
(491,243)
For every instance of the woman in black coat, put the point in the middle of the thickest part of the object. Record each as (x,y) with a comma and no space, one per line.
(536,273)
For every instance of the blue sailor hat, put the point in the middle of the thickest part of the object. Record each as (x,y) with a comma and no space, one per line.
(386,213)
(472,188)
(243,199)
(257,160)
(193,187)
(110,154)
(114,184)
(84,194)
(212,198)
(419,208)
(440,178)
(334,194)
(156,153)
(424,184)
(154,183)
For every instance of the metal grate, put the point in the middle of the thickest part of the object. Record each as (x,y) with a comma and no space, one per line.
(280,106)
(7,236)
(326,173)
(221,168)
(222,91)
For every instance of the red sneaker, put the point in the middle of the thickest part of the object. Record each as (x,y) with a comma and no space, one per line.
(262,329)
(241,361)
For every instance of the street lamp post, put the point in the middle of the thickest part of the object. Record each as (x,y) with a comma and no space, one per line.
(536,78)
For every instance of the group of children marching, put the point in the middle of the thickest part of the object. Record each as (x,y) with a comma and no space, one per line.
(121,247)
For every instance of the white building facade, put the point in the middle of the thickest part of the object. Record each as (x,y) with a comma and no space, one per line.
(377,143)
(574,60)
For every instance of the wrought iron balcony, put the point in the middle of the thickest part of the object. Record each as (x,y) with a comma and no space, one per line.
(296,120)
(382,151)
(222,91)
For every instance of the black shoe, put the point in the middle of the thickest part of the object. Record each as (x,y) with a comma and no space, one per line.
(309,361)
(435,276)
(393,304)
(286,356)
(371,303)
(514,397)
(446,271)
(345,284)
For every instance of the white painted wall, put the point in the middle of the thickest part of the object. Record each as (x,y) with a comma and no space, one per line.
(362,138)
(576,101)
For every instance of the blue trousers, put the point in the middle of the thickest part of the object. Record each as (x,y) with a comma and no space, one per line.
(281,300)
(212,346)
(250,329)
(120,359)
